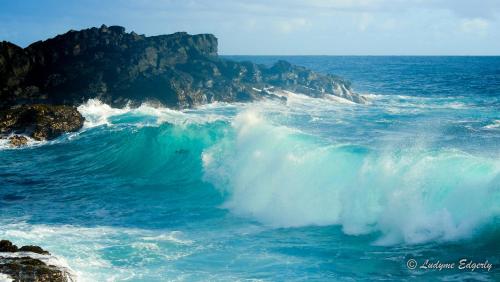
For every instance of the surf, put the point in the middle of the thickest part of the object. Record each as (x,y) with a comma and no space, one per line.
(284,176)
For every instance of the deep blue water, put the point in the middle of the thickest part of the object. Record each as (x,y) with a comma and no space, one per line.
(310,190)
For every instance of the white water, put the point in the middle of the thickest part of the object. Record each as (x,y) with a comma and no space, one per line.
(285,178)
(82,250)
(97,113)
(5,143)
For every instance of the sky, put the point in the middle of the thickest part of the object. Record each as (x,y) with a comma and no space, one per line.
(278,27)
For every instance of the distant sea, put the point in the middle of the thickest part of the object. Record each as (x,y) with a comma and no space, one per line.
(307,190)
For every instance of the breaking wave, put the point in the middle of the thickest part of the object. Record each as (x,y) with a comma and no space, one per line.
(285,178)
(271,165)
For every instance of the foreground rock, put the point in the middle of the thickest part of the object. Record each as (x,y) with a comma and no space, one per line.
(179,70)
(41,122)
(27,264)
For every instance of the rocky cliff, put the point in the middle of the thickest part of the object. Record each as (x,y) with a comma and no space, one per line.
(179,70)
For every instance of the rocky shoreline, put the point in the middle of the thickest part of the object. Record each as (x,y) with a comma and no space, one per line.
(40,122)
(29,263)
(41,85)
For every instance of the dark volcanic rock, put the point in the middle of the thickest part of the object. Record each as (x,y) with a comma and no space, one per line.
(302,80)
(178,70)
(27,267)
(41,122)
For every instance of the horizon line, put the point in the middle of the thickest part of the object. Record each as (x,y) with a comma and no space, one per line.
(361,55)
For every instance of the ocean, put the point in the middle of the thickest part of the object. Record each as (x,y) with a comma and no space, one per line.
(304,190)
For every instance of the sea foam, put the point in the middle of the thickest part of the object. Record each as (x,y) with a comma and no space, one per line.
(97,113)
(85,251)
(285,178)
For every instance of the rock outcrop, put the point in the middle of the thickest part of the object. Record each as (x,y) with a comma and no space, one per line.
(41,84)
(40,122)
(179,70)
(28,264)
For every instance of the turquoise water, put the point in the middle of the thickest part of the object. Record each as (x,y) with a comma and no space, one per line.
(307,190)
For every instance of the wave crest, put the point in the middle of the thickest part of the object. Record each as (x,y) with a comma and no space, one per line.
(285,178)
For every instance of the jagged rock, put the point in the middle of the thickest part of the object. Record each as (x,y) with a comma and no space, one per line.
(302,80)
(179,70)
(27,267)
(18,141)
(41,122)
